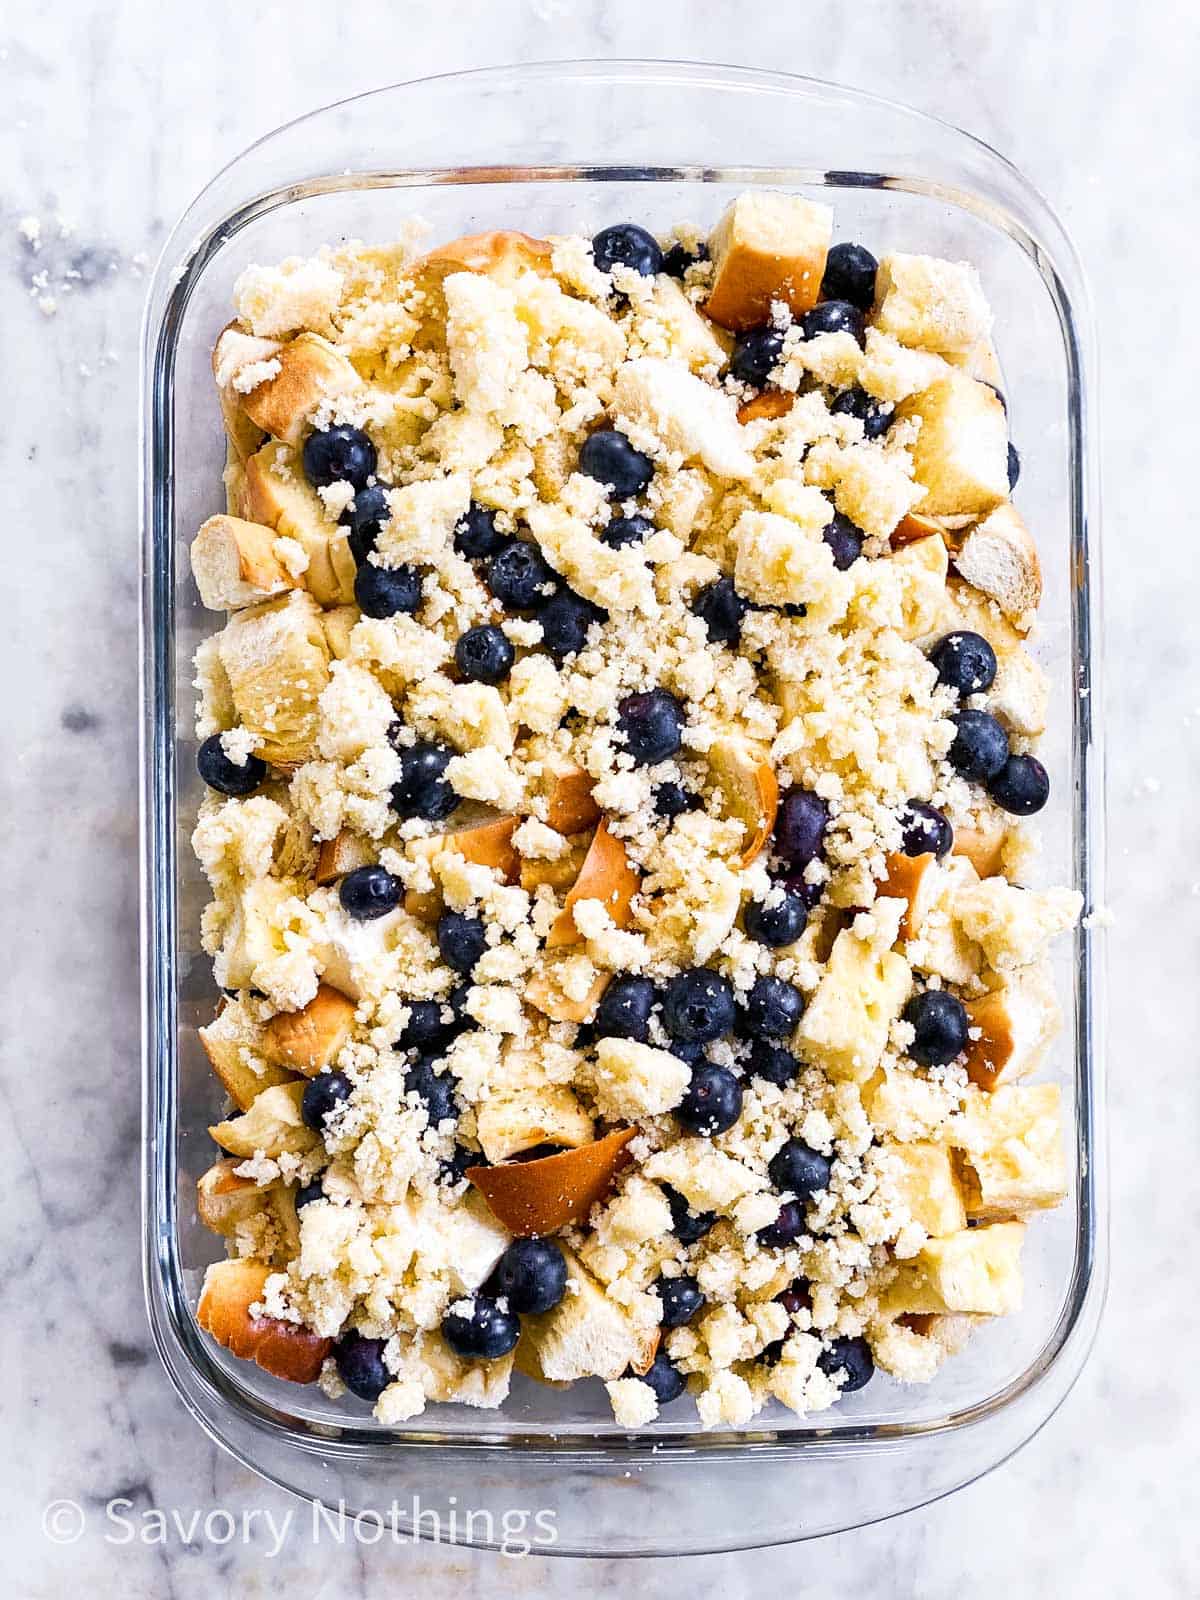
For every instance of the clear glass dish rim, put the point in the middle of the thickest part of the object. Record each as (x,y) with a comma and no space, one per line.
(183,260)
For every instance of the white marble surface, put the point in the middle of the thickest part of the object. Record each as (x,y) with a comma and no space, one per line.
(114,114)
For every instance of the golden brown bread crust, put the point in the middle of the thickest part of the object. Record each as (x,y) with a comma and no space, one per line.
(340,855)
(280,1348)
(542,1196)
(767,247)
(749,791)
(234,563)
(484,844)
(605,875)
(545,996)
(500,252)
(769,406)
(309,1039)
(570,808)
(311,371)
(903,882)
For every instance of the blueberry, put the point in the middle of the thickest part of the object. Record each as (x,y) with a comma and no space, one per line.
(476,534)
(1014,466)
(387,591)
(876,416)
(461,940)
(454,1169)
(787,1227)
(721,609)
(851,1356)
(338,455)
(484,1333)
(755,354)
(361,1366)
(712,1101)
(850,275)
(672,800)
(531,1274)
(687,1050)
(965,662)
(323,1094)
(423,790)
(833,316)
(772,1009)
(484,655)
(844,540)
(224,775)
(797,883)
(565,620)
(364,517)
(776,922)
(698,1006)
(939,1022)
(980,747)
(773,1063)
(1022,786)
(520,577)
(679,258)
(687,1225)
(681,1300)
(456,1000)
(627,245)
(624,531)
(800,827)
(796,1297)
(424,1029)
(926,830)
(369,892)
(435,1090)
(624,1009)
(309,1192)
(799,1169)
(609,457)
(652,724)
(665,1378)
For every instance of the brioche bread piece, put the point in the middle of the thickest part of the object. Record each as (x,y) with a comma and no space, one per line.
(544,1195)
(1012,1028)
(237,352)
(913,528)
(546,993)
(502,254)
(977,1270)
(923,566)
(233,1045)
(511,1121)
(933,304)
(605,875)
(235,565)
(1010,1143)
(960,455)
(570,807)
(342,854)
(276,493)
(272,1125)
(921,1176)
(310,371)
(983,847)
(223,1200)
(845,1027)
(906,875)
(482,838)
(767,246)
(276,658)
(305,1041)
(768,406)
(586,1335)
(280,1348)
(999,558)
(1020,694)
(749,790)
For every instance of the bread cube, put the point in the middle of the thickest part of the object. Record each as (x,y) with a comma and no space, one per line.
(235,564)
(765,247)
(977,1270)
(1012,1028)
(845,1027)
(272,1124)
(633,1080)
(781,561)
(276,493)
(277,661)
(281,1348)
(586,1335)
(1011,1146)
(308,1040)
(960,455)
(933,304)
(512,1121)
(310,372)
(922,1178)
(999,558)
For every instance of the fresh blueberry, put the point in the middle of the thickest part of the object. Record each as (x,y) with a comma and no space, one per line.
(423,790)
(776,922)
(365,516)
(698,1006)
(787,1227)
(624,1010)
(424,1029)
(1014,466)
(721,609)
(454,1168)
(652,724)
(772,1009)
(712,1101)
(387,591)
(484,1333)
(851,1356)
(876,416)
(755,354)
(461,1018)
(664,1377)
(531,1274)
(672,800)
(476,534)
(565,619)
(798,1169)
(833,316)
(796,1297)
(484,655)
(687,1225)
(369,892)
(844,540)
(965,662)
(224,775)
(624,531)
(800,828)
(773,1063)
(434,1089)
(361,1365)
(797,883)
(850,275)
(681,1300)
(461,940)
(926,830)
(609,457)
(980,747)
(687,1050)
(323,1094)
(627,245)
(1022,786)
(939,1022)
(679,258)
(309,1192)
(338,455)
(520,577)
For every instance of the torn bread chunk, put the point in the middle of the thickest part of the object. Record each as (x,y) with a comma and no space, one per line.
(960,454)
(235,564)
(310,373)
(999,558)
(933,304)
(767,247)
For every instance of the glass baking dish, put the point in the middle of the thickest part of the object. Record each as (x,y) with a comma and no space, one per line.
(554,148)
